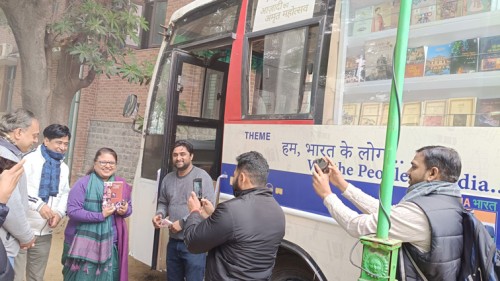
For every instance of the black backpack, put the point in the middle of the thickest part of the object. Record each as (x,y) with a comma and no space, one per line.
(480,258)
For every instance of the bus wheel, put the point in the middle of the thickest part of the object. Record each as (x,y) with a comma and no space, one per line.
(291,268)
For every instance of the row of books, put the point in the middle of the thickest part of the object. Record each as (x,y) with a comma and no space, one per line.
(461,56)
(451,112)
(385,15)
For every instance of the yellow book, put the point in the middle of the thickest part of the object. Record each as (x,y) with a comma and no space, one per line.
(461,112)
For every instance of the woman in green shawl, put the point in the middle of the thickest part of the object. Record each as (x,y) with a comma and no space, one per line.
(96,240)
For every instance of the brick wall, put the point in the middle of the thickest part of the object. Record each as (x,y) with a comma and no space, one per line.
(117,136)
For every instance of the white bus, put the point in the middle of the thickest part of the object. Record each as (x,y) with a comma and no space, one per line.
(299,79)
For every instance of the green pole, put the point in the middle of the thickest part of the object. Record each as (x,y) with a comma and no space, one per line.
(392,133)
(380,252)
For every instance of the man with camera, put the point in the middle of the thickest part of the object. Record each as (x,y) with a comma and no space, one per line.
(18,133)
(241,235)
(433,197)
(48,188)
(175,189)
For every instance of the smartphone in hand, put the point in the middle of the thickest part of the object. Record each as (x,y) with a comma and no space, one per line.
(322,164)
(197,188)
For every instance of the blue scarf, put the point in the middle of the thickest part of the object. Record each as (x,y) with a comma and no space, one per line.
(49,181)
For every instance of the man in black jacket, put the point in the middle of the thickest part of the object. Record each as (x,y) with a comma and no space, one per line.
(243,234)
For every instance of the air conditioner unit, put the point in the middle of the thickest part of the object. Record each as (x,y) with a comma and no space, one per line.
(6,49)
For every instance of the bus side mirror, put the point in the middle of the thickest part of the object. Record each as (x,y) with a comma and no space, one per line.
(130,109)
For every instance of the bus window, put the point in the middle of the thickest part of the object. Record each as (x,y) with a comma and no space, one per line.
(193,100)
(216,19)
(281,74)
(153,144)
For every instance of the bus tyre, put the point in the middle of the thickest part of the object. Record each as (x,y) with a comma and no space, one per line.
(291,268)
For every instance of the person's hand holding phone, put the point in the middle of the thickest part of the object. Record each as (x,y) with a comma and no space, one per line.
(206,208)
(8,180)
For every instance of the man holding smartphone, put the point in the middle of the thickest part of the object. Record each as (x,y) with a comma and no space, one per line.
(175,189)
(242,235)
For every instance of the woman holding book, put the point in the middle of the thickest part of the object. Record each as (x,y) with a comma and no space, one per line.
(96,239)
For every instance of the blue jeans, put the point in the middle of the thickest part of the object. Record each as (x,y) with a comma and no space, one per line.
(181,263)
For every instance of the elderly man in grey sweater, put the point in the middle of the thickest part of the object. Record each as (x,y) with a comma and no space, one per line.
(18,133)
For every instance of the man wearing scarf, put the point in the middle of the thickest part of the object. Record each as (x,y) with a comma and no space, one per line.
(19,131)
(48,189)
(431,249)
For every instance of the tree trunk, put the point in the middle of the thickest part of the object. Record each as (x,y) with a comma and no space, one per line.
(28,20)
(68,82)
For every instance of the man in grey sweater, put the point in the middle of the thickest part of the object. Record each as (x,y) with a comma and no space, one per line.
(176,187)
(18,133)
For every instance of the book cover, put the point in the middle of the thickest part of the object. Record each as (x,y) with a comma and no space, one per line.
(112,193)
(434,113)
(354,68)
(489,53)
(461,112)
(423,15)
(488,113)
(382,16)
(464,56)
(411,113)
(415,62)
(362,22)
(370,113)
(385,114)
(437,61)
(447,9)
(350,113)
(378,55)
(396,5)
(471,7)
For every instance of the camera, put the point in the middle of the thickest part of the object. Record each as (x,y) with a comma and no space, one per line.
(197,188)
(322,164)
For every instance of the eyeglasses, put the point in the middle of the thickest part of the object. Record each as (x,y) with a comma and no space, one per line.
(104,163)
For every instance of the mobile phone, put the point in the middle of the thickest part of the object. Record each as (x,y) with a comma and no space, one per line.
(197,188)
(6,164)
(322,164)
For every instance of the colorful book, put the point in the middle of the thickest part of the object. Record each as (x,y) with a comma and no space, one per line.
(378,55)
(362,23)
(423,15)
(447,9)
(489,53)
(488,113)
(382,16)
(471,7)
(113,191)
(437,61)
(415,62)
(423,11)
(464,56)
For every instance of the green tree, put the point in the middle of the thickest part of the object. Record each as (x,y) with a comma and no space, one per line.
(65,34)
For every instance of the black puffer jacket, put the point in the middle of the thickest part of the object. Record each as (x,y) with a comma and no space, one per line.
(442,262)
(6,271)
(242,236)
